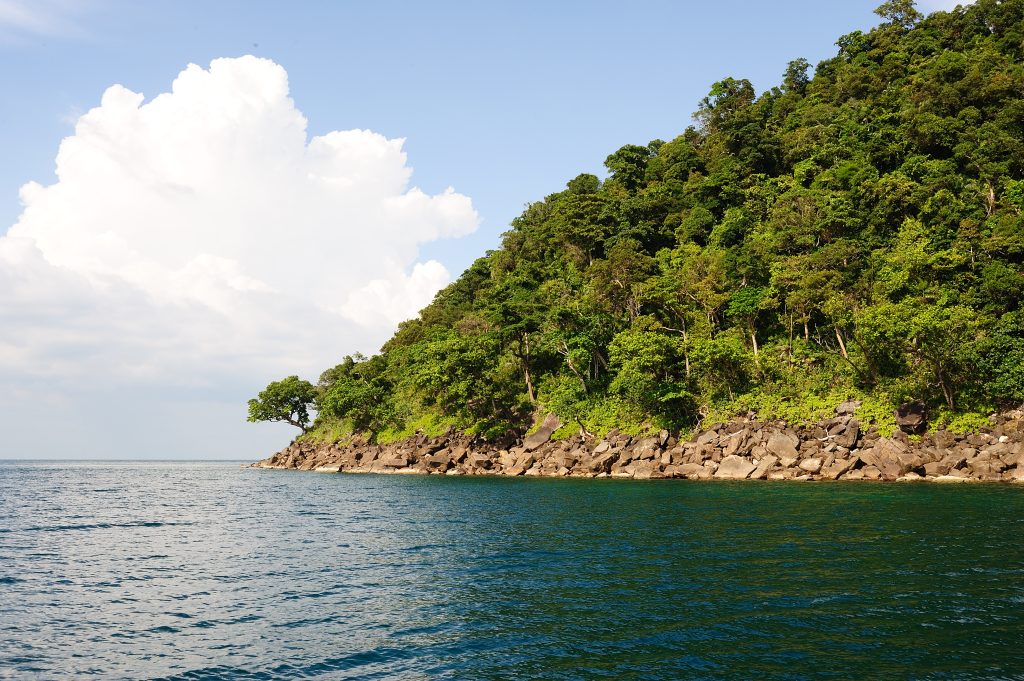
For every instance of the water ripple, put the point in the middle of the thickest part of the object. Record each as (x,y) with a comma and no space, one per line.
(203,571)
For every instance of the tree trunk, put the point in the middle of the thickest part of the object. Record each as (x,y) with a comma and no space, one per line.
(842,345)
(529,381)
(753,340)
(686,350)
(526,367)
(572,367)
(946,392)
(790,357)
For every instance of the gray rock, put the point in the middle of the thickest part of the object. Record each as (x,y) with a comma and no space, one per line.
(783,445)
(734,468)
(763,466)
(543,434)
(690,470)
(847,408)
(811,465)
(837,468)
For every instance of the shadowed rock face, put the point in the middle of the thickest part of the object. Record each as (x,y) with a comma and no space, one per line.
(910,417)
(835,449)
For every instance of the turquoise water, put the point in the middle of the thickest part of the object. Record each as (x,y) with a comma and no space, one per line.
(210,571)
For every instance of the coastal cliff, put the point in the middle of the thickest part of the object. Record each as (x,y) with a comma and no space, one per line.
(744,448)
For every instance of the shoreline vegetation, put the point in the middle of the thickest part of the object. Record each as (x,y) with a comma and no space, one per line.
(855,233)
(744,448)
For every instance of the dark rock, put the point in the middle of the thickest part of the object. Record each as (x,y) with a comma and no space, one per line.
(910,417)
(849,436)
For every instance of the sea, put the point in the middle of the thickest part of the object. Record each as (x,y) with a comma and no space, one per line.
(185,570)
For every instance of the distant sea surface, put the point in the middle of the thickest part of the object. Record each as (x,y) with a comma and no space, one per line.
(211,571)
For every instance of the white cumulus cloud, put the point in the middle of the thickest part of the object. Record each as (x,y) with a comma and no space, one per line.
(200,238)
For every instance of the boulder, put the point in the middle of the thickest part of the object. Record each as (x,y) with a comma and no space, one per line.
(783,445)
(952,478)
(848,438)
(871,473)
(763,466)
(891,458)
(787,461)
(733,443)
(439,460)
(645,471)
(561,460)
(705,473)
(526,460)
(479,460)
(910,417)
(543,434)
(709,437)
(847,408)
(734,468)
(690,470)
(603,462)
(953,460)
(811,465)
(837,468)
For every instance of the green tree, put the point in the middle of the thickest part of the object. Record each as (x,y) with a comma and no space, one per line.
(287,400)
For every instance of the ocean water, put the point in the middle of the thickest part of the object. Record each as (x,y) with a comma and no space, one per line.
(211,571)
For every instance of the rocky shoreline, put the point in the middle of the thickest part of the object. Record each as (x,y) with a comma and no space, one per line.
(839,448)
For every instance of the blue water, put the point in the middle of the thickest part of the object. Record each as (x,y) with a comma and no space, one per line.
(210,571)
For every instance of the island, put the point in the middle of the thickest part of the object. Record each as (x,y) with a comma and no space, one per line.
(820,281)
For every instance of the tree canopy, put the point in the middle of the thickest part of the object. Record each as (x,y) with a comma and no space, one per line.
(287,400)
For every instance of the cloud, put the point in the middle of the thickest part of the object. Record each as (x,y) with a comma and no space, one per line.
(40,17)
(199,240)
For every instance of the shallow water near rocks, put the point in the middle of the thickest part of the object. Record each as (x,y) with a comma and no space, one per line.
(211,571)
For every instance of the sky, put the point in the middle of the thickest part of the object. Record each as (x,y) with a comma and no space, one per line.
(198,198)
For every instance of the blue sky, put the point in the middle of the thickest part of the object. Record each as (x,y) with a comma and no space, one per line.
(504,102)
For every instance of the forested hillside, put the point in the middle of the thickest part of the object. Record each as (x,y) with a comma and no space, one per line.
(854,232)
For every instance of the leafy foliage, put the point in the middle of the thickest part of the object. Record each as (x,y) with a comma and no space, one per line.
(286,400)
(855,232)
